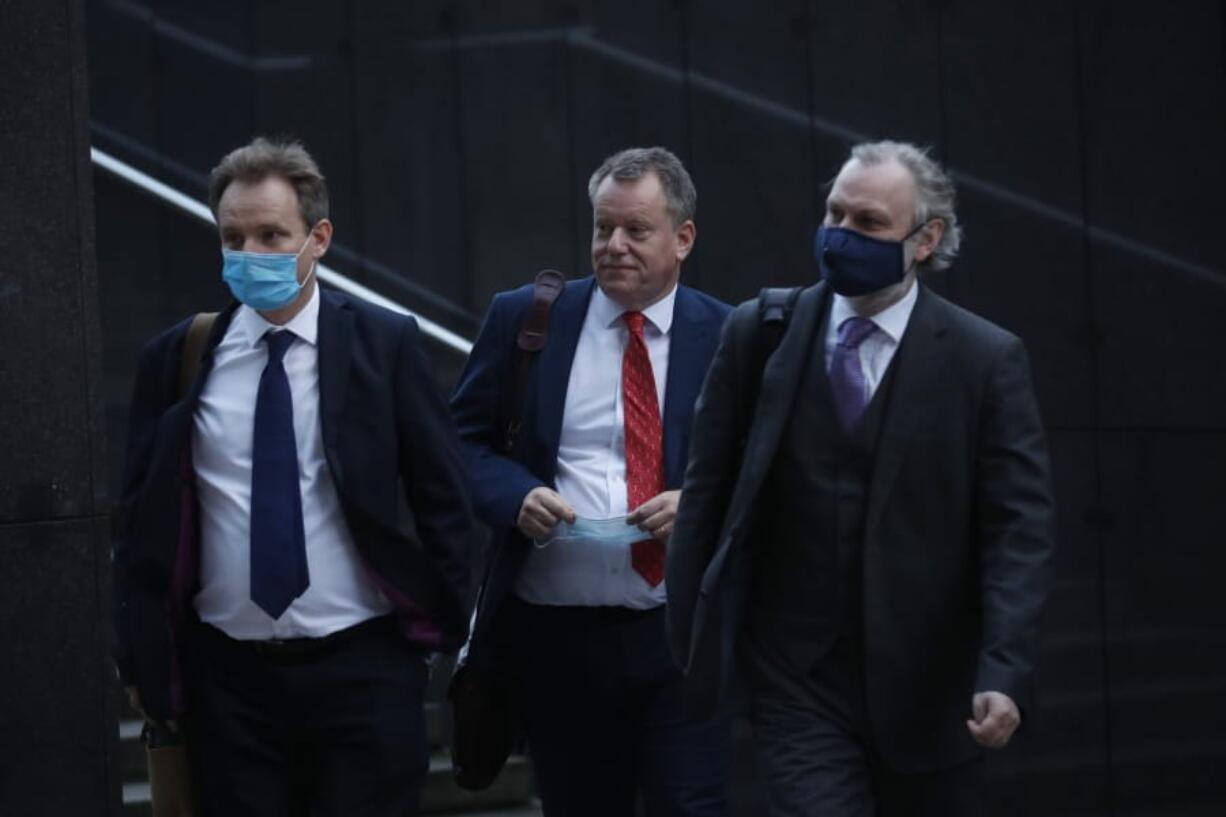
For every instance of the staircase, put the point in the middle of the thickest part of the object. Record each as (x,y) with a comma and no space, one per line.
(510,796)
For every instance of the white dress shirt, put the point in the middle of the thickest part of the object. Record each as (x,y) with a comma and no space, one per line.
(877,350)
(341,592)
(592,464)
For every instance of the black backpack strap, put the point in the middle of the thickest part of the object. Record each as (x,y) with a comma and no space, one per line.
(530,340)
(775,307)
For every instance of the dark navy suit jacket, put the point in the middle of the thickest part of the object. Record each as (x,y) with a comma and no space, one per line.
(481,400)
(391,450)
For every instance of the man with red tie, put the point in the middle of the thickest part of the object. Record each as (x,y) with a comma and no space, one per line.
(571,614)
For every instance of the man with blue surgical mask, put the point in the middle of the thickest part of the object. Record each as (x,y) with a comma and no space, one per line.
(571,615)
(274,608)
(867,547)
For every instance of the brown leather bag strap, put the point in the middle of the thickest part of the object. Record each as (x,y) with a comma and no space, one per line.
(534,330)
(531,339)
(193,349)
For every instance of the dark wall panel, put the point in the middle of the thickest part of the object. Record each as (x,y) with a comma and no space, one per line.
(409,155)
(1155,124)
(876,72)
(752,148)
(517,169)
(57,711)
(1159,343)
(1167,646)
(58,699)
(50,438)
(1006,93)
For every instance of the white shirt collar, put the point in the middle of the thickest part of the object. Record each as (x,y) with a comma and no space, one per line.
(607,313)
(892,321)
(305,324)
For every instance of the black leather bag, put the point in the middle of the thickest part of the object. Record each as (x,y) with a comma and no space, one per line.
(483,726)
(482,732)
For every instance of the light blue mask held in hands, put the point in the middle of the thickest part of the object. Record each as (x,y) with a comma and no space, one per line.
(612,532)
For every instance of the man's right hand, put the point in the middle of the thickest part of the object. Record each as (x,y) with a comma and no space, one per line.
(541,510)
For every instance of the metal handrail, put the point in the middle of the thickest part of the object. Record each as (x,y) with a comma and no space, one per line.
(199,210)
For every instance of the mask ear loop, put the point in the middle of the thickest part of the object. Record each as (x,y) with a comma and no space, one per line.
(914,230)
(314,261)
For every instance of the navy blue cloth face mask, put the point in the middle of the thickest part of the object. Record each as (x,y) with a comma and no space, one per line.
(856,264)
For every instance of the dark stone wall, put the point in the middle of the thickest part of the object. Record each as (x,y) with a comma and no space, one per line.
(1087,141)
(57,702)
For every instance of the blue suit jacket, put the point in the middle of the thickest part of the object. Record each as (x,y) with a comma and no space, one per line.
(480,402)
(391,450)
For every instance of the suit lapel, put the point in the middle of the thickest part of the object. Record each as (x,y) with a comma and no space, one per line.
(553,369)
(334,353)
(921,368)
(689,336)
(780,379)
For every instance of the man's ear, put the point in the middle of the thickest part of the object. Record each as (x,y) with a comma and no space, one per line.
(686,234)
(930,238)
(323,238)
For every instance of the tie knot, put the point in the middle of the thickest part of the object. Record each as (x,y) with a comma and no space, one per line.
(278,342)
(634,320)
(853,331)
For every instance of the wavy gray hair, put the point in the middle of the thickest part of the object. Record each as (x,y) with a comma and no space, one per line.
(934,194)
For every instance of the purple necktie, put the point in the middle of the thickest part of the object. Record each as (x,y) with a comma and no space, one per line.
(846,376)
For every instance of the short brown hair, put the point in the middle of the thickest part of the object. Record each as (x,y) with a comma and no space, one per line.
(262,158)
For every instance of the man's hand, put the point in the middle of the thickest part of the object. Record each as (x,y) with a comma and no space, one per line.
(541,510)
(996,719)
(657,515)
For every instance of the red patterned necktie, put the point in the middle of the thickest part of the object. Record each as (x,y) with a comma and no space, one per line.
(644,444)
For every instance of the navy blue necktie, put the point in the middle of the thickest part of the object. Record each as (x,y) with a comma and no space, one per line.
(278,545)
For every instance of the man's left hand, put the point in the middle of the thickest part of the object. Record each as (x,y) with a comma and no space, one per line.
(656,515)
(995,719)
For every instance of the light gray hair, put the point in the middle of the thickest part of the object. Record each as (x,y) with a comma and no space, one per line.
(287,160)
(934,194)
(632,164)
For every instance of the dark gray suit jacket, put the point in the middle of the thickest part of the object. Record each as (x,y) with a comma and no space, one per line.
(958,535)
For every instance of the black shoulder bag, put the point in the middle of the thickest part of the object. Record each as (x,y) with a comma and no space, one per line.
(483,731)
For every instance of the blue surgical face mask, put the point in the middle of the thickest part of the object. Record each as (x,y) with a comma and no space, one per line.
(264,280)
(608,532)
(856,264)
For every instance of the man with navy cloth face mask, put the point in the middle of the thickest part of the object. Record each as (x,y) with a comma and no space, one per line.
(274,604)
(868,549)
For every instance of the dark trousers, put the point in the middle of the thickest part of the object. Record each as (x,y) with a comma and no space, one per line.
(600,703)
(337,732)
(817,755)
